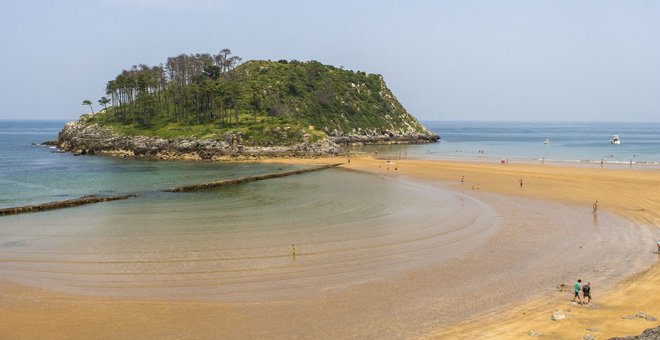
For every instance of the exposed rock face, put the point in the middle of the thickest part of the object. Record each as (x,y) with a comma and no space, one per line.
(649,334)
(80,138)
(384,137)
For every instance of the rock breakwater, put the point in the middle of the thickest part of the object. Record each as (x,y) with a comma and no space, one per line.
(62,204)
(226,182)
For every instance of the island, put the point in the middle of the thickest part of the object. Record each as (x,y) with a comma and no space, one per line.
(214,107)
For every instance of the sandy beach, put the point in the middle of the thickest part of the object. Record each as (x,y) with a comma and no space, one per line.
(629,193)
(544,235)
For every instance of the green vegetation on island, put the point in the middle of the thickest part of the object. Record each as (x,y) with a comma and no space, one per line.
(263,102)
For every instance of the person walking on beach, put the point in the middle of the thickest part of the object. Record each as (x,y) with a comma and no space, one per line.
(293,250)
(521,183)
(595,208)
(586,292)
(577,290)
(462,179)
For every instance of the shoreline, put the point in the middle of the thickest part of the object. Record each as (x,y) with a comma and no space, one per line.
(82,138)
(96,198)
(492,178)
(627,194)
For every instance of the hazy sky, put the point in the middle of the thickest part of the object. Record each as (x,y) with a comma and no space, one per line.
(444,60)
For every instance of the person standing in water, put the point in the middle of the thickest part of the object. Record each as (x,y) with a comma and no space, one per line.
(293,250)
(595,208)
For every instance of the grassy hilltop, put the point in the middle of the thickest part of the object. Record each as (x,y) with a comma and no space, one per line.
(262,102)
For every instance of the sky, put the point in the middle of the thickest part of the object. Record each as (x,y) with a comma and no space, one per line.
(444,60)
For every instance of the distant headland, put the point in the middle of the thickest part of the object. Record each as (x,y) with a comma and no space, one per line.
(206,106)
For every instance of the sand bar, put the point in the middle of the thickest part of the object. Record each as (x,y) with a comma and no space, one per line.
(30,312)
(629,192)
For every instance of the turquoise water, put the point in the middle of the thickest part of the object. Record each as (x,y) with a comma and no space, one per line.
(569,142)
(368,246)
(233,242)
(32,174)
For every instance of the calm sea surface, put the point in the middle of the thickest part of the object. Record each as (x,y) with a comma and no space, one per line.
(232,242)
(31,174)
(569,142)
(367,246)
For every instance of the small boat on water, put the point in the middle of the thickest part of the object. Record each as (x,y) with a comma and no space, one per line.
(615,139)
(546,141)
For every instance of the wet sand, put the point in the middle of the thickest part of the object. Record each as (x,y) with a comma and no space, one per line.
(630,193)
(536,245)
(234,244)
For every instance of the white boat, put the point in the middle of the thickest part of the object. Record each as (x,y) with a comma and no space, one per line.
(546,141)
(615,139)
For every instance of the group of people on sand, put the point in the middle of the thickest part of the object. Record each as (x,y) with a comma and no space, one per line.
(586,292)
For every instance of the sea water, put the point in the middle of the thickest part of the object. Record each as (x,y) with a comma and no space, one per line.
(232,242)
(233,233)
(32,174)
(569,142)
(376,255)
(236,243)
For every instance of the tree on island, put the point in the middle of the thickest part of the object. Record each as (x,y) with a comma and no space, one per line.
(88,102)
(215,95)
(104,101)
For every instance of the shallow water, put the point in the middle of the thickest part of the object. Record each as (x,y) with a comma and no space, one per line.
(33,174)
(235,243)
(376,256)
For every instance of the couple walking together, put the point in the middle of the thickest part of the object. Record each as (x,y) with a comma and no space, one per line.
(586,291)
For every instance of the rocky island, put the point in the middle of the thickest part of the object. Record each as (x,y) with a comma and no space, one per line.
(207,106)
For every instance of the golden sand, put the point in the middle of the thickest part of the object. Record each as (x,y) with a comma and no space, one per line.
(632,193)
(29,313)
